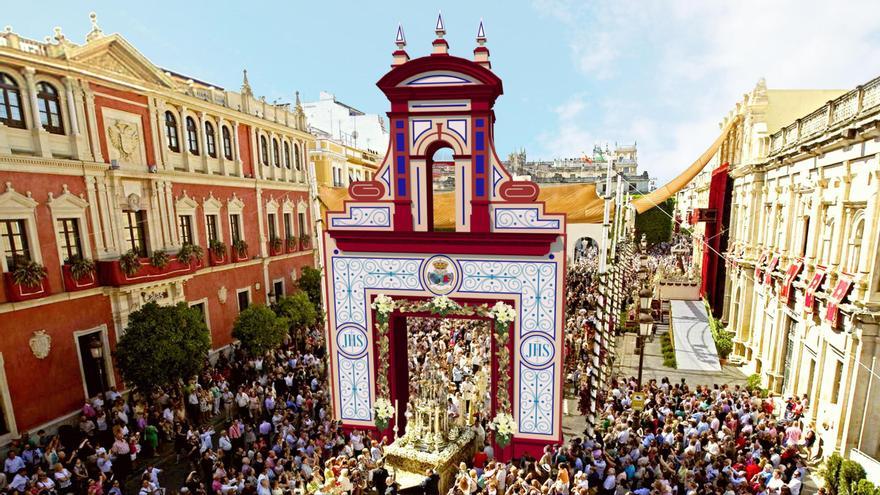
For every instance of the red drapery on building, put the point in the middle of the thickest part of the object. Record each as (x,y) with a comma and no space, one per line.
(768,275)
(836,297)
(810,295)
(758,271)
(793,270)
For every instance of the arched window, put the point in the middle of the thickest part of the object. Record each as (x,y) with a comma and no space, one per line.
(264,151)
(276,157)
(171,132)
(296,158)
(10,103)
(192,135)
(855,245)
(286,155)
(210,140)
(50,108)
(227,143)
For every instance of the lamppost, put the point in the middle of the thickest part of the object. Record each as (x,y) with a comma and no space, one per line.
(646,323)
(96,349)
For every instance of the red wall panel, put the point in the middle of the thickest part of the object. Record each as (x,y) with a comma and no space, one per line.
(43,389)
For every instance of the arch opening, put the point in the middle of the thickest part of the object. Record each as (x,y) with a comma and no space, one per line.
(440,177)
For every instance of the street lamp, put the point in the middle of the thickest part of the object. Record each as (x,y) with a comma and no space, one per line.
(644,243)
(96,350)
(646,323)
(645,296)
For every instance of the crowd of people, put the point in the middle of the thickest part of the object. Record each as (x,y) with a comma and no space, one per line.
(455,354)
(262,426)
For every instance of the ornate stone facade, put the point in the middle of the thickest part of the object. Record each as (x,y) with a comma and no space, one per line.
(102,153)
(802,293)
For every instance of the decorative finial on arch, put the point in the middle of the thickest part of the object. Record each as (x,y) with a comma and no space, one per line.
(481,53)
(400,56)
(400,39)
(441,47)
(440,29)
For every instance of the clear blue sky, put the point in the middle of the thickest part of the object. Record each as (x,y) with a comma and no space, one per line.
(662,73)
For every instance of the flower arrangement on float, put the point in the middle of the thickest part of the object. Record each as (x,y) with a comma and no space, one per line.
(504,426)
(384,412)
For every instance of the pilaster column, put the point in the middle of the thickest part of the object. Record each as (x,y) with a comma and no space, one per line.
(93,124)
(236,151)
(255,154)
(155,131)
(204,139)
(872,212)
(41,137)
(221,147)
(162,138)
(77,143)
(184,141)
(94,207)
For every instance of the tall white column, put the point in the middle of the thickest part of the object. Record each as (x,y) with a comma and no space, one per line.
(236,150)
(184,141)
(41,137)
(203,132)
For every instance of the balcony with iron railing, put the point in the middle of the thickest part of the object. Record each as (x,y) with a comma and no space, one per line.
(848,107)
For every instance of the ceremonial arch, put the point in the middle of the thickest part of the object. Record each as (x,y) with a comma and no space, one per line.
(503,264)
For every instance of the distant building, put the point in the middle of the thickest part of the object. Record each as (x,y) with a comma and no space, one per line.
(586,169)
(345,124)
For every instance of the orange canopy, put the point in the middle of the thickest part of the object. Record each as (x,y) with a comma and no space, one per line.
(578,201)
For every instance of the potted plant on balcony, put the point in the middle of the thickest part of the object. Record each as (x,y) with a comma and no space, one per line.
(240,249)
(217,251)
(304,241)
(25,280)
(160,259)
(190,253)
(28,273)
(276,245)
(130,263)
(291,244)
(79,273)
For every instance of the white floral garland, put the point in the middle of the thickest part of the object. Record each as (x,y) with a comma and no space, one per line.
(502,314)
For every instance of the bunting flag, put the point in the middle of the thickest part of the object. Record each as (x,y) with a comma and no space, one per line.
(758,270)
(810,294)
(832,311)
(768,275)
(790,275)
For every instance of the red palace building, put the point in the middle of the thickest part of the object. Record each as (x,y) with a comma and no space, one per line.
(107,157)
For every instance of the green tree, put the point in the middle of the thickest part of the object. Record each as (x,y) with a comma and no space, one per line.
(162,345)
(259,329)
(310,283)
(656,223)
(297,309)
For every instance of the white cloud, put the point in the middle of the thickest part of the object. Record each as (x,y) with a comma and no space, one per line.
(674,68)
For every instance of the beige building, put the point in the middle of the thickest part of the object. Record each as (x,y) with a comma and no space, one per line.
(338,164)
(802,293)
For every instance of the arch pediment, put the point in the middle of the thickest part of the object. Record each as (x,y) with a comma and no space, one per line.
(434,71)
(13,201)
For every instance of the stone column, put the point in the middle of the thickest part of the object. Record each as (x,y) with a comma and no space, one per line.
(236,151)
(184,141)
(203,132)
(94,208)
(41,137)
(221,147)
(156,131)
(860,419)
(162,138)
